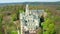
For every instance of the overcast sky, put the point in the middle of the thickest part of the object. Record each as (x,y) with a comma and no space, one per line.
(11,1)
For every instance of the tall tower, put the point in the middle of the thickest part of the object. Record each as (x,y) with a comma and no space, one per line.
(27,9)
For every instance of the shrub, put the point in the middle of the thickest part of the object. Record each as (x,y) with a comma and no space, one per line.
(13,32)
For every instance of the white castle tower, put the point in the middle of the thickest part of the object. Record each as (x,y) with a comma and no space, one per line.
(27,9)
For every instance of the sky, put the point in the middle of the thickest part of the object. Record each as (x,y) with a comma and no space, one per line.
(13,1)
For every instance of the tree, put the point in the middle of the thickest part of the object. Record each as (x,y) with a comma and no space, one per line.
(1,18)
(48,26)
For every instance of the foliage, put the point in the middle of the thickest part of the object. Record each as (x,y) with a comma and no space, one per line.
(48,12)
(48,26)
(57,18)
(13,32)
(58,8)
(1,18)
(0,32)
(21,11)
(14,17)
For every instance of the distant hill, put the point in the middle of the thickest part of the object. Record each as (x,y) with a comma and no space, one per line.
(31,3)
(43,3)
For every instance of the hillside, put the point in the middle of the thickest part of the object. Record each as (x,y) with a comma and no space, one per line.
(31,3)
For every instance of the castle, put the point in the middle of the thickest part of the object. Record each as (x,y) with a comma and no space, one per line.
(30,20)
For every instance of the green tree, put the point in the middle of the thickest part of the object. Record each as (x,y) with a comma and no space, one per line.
(1,18)
(48,26)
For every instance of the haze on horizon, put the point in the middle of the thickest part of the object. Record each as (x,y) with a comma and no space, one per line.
(13,1)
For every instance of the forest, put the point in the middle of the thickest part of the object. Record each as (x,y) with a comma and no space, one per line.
(10,24)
